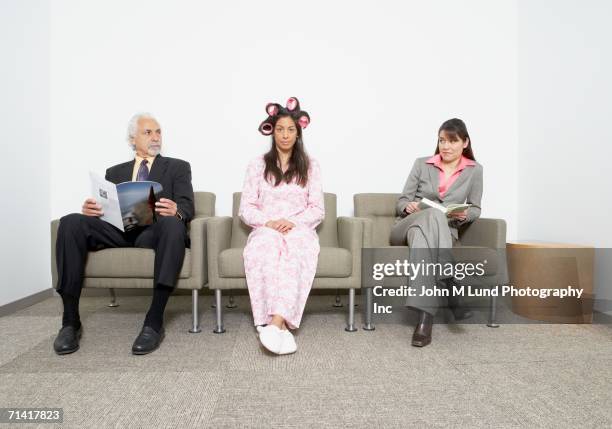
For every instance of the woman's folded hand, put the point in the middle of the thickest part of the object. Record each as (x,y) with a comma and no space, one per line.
(461,216)
(281,225)
(412,207)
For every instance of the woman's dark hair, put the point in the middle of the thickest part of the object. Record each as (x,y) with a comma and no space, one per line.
(456,129)
(298,162)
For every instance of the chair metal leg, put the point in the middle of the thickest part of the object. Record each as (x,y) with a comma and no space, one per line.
(219,329)
(113,299)
(350,327)
(367,311)
(337,301)
(492,313)
(195,315)
(231,303)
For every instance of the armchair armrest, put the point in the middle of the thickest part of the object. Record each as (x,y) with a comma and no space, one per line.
(351,237)
(219,234)
(484,232)
(54,228)
(368,231)
(197,236)
(489,233)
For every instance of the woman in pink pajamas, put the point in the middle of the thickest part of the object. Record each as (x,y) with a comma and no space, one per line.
(282,200)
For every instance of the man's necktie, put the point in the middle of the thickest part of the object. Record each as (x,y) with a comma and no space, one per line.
(143,171)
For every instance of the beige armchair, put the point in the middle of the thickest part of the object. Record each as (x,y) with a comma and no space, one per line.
(133,268)
(339,265)
(481,238)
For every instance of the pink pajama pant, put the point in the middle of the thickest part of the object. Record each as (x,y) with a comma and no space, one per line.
(279,270)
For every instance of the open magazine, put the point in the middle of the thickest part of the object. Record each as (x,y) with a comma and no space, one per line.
(128,204)
(451,208)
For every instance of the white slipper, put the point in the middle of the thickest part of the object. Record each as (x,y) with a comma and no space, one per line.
(259,328)
(271,338)
(288,345)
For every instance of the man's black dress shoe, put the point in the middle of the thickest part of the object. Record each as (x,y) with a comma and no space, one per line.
(67,340)
(147,341)
(422,332)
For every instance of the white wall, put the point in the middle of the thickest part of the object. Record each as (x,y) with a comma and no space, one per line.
(378,78)
(531,79)
(565,136)
(24,120)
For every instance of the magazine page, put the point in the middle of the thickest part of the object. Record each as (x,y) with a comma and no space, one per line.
(425,203)
(137,201)
(457,208)
(105,193)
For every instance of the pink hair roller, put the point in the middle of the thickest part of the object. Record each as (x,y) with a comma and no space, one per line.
(303,121)
(272,109)
(266,128)
(292,103)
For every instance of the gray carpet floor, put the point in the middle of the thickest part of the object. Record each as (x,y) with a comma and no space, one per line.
(519,375)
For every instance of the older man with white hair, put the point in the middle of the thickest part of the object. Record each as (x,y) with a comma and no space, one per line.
(83,232)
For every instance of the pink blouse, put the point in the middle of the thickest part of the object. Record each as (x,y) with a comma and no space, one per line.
(444,183)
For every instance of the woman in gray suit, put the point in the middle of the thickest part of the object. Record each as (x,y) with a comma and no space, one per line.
(451,176)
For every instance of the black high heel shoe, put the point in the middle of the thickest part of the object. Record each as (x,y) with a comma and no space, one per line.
(422,332)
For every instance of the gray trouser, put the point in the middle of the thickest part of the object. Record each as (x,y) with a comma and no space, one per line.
(430,240)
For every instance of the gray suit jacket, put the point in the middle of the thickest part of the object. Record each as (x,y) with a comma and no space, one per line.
(423,182)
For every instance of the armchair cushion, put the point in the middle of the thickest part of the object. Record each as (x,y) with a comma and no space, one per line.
(128,263)
(231,263)
(333,262)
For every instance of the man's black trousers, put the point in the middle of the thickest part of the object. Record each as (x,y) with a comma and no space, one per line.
(79,234)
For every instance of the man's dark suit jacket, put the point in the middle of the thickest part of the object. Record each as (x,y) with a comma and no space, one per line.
(173,174)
